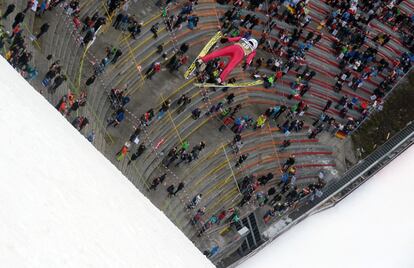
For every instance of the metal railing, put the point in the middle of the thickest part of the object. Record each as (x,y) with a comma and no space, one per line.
(385,153)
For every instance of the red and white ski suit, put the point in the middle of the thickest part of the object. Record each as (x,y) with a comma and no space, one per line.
(235,53)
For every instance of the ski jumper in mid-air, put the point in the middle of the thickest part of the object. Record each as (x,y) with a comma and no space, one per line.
(235,53)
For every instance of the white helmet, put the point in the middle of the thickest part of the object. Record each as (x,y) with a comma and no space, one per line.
(253,42)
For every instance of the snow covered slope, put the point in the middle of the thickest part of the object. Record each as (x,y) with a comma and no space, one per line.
(372,227)
(63,204)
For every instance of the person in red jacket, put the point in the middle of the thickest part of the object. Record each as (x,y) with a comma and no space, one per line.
(16,30)
(155,68)
(123,152)
(241,48)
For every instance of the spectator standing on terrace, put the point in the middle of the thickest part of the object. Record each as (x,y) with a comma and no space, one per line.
(164,108)
(123,152)
(321,117)
(135,136)
(99,22)
(54,69)
(43,29)
(316,131)
(155,68)
(154,30)
(196,150)
(10,8)
(182,59)
(18,19)
(197,217)
(170,190)
(289,162)
(226,122)
(172,156)
(154,184)
(84,122)
(137,154)
(61,105)
(42,8)
(284,145)
(29,5)
(184,48)
(195,201)
(16,31)
(117,21)
(76,122)
(230,98)
(56,83)
(265,178)
(90,80)
(242,158)
(183,102)
(192,21)
(90,34)
(117,54)
(183,157)
(119,117)
(74,107)
(179,188)
(157,181)
(327,106)
(261,120)
(112,5)
(91,136)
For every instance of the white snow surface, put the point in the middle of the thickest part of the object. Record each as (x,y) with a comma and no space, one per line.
(372,227)
(63,204)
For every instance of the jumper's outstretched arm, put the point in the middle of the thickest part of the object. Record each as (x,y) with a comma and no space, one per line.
(250,57)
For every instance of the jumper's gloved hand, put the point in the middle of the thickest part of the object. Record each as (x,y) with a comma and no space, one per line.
(224,40)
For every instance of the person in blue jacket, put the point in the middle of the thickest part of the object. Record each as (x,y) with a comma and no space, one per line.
(119,117)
